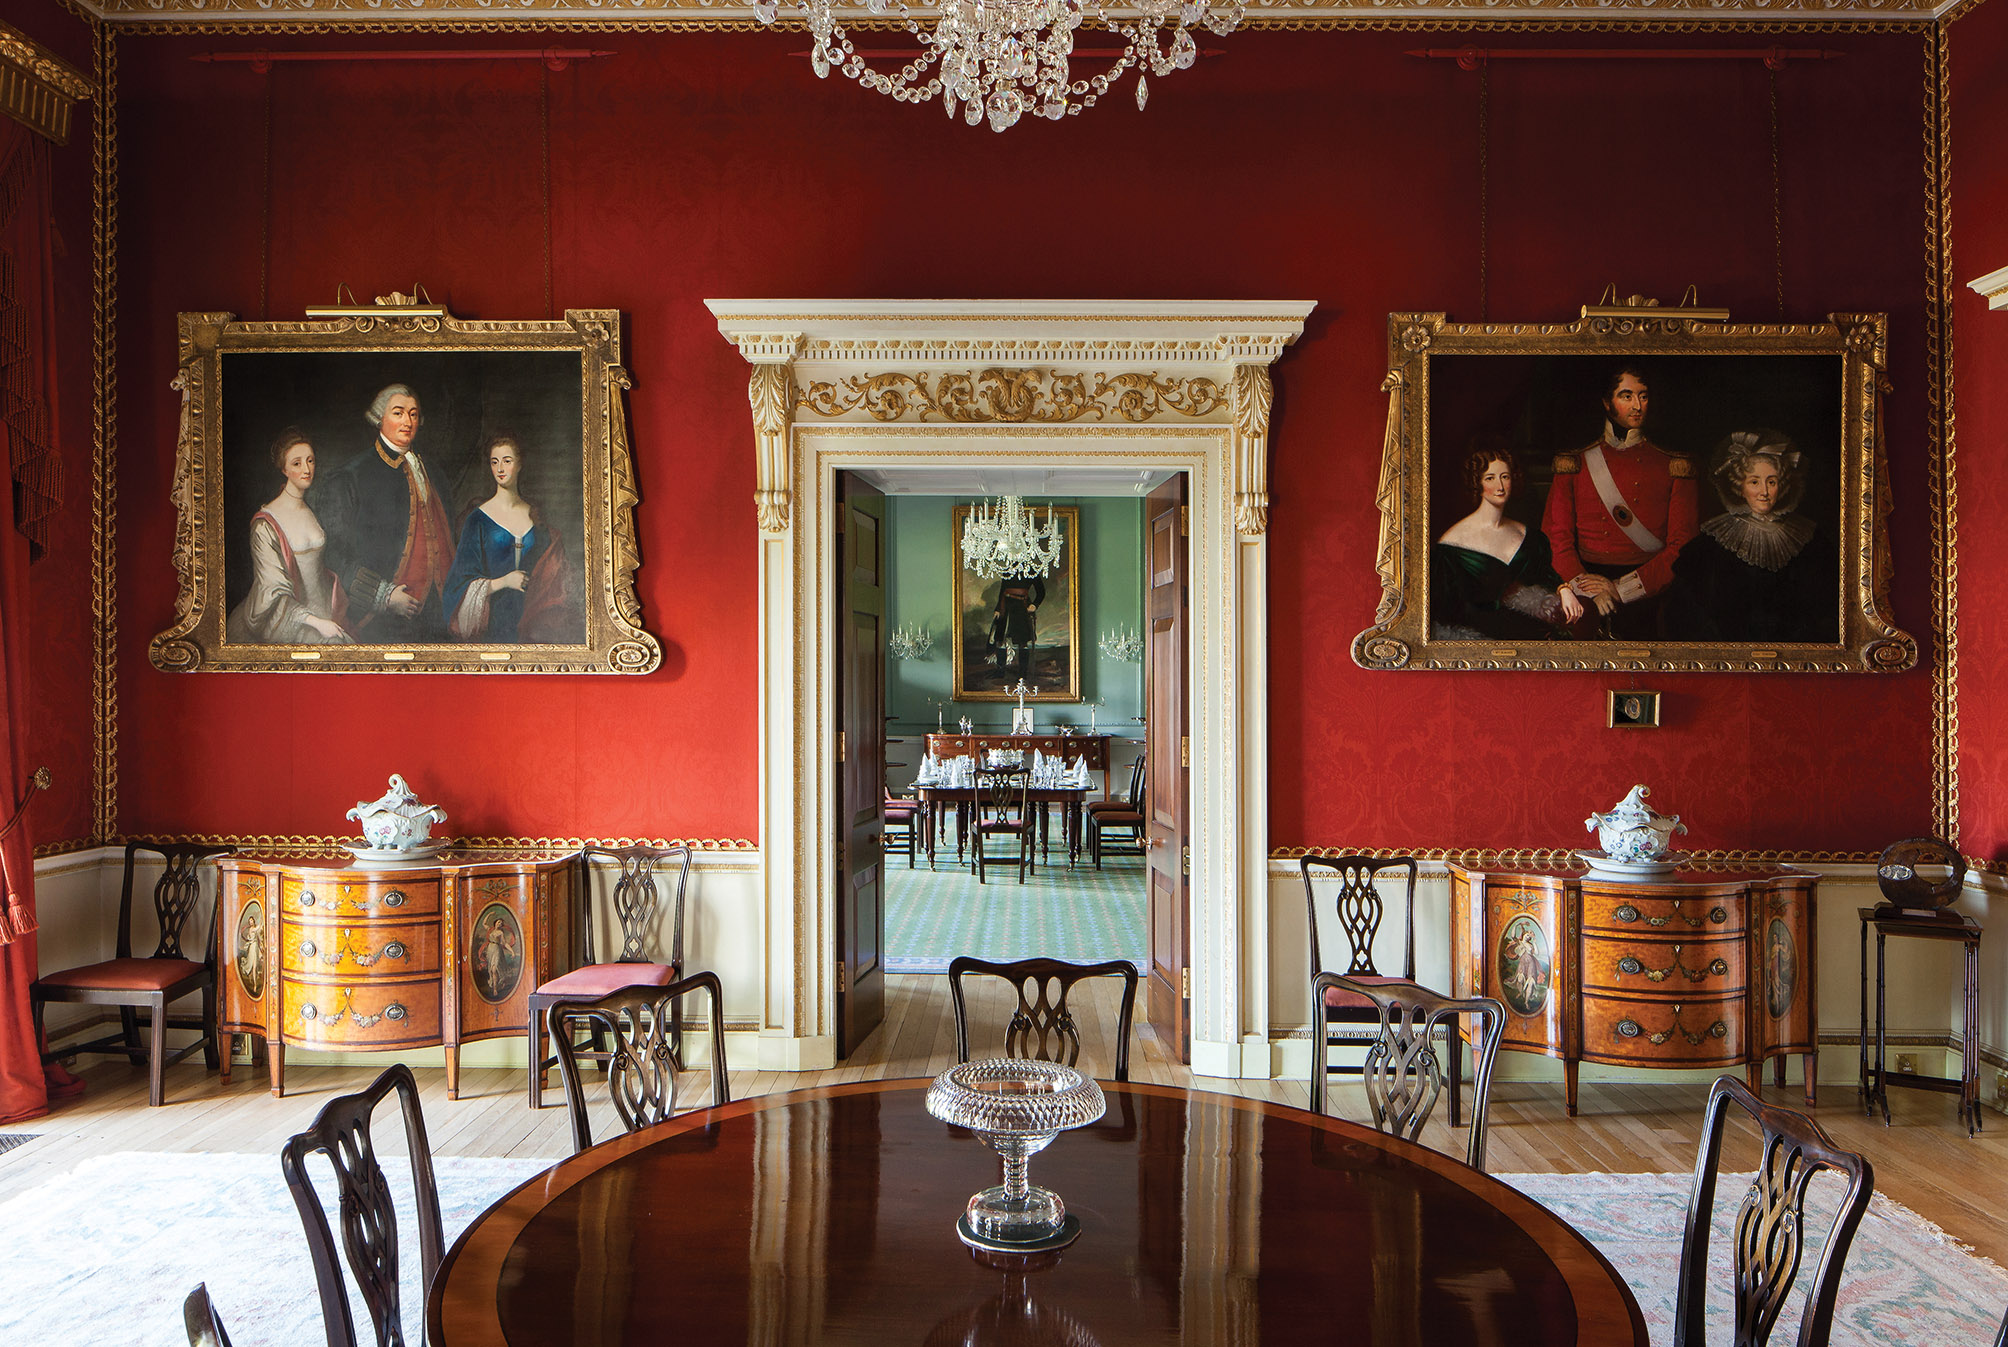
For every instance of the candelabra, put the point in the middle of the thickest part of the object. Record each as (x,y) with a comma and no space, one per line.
(1123,644)
(910,641)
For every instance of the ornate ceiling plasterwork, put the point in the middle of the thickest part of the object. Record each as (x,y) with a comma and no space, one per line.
(710,13)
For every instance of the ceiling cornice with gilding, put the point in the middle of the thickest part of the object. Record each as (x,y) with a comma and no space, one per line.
(509,14)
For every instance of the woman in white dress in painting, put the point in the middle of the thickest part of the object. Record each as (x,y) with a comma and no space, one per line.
(293,600)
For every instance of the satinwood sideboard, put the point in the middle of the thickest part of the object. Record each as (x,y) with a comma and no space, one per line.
(315,954)
(1694,970)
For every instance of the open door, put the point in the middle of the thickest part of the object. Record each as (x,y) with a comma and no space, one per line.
(860,762)
(1166,761)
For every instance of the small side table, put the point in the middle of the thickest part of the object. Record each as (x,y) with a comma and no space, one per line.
(1933,925)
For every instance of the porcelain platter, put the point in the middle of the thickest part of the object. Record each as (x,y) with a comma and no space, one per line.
(1611,867)
(388,858)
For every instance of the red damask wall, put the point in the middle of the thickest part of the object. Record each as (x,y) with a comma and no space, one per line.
(1980,353)
(1325,166)
(60,582)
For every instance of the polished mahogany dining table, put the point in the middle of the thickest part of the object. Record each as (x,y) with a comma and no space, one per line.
(828,1216)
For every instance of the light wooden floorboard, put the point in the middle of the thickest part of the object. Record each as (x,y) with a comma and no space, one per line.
(1923,1160)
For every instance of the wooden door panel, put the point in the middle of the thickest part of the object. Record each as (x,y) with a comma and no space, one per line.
(861,765)
(1165,863)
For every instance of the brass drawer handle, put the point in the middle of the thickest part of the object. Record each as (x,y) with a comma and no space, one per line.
(1631,1029)
(1630,913)
(307,898)
(394,898)
(308,949)
(1632,966)
(395,950)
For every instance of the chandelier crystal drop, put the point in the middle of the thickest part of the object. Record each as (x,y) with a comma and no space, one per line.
(1003,540)
(1000,59)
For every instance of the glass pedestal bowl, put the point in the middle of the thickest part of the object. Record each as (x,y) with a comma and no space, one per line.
(1017,1107)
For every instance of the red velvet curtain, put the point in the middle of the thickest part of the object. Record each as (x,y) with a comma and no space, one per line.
(27,421)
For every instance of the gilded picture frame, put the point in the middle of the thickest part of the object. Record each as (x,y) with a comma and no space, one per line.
(988,661)
(405,491)
(1755,449)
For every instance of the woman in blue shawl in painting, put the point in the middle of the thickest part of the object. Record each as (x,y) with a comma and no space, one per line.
(511,582)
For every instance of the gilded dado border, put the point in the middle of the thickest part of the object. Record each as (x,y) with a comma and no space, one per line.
(1564,858)
(304,844)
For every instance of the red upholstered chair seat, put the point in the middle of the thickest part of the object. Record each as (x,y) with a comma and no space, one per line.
(1338,998)
(135,974)
(597,979)
(1118,818)
(636,905)
(151,983)
(1110,806)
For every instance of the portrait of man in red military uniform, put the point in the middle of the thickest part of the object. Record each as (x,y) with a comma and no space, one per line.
(1620,510)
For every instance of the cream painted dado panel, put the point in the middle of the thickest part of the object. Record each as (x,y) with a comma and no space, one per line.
(77,898)
(77,906)
(1923,994)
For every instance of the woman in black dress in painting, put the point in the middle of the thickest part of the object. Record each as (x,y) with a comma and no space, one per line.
(1760,570)
(1491,577)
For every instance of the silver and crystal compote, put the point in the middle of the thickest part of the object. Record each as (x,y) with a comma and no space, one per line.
(1017,1107)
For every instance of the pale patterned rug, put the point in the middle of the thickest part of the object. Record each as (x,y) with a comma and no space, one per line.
(102,1256)
(1076,913)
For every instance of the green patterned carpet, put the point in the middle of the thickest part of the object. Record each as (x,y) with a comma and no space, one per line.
(1081,915)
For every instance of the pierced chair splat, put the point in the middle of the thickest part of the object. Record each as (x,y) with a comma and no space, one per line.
(643,1058)
(639,903)
(1770,1223)
(1003,813)
(369,1238)
(1351,886)
(1042,1028)
(152,983)
(1402,1074)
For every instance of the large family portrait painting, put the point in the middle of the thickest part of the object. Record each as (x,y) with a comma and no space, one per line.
(1658,493)
(364,501)
(1019,629)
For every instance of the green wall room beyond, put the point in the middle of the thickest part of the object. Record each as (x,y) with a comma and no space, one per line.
(920,569)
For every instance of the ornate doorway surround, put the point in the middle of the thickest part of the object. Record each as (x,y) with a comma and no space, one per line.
(842,384)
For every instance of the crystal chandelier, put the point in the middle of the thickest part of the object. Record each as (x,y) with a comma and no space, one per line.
(1004,540)
(1003,58)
